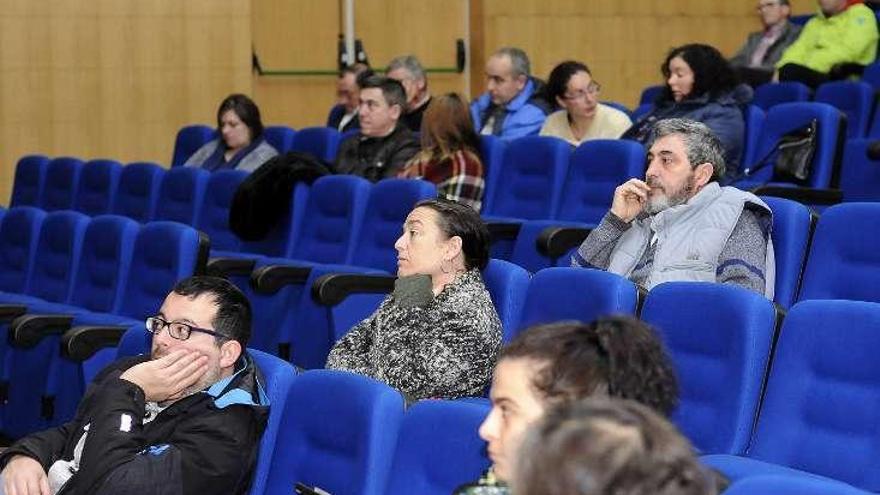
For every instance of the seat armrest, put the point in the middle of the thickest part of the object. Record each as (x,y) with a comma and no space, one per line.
(83,341)
(28,330)
(500,230)
(9,312)
(271,278)
(554,242)
(229,267)
(333,288)
(806,195)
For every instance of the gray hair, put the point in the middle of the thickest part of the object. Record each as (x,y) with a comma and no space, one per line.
(701,144)
(519,61)
(409,63)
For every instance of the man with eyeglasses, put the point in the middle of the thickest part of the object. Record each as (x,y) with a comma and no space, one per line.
(186,419)
(756,59)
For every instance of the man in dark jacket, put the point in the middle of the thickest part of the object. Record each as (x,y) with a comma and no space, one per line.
(186,419)
(756,59)
(384,144)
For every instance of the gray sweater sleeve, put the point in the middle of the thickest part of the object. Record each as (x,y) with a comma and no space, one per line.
(742,260)
(595,251)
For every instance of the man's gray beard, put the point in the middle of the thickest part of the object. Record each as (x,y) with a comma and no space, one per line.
(657,204)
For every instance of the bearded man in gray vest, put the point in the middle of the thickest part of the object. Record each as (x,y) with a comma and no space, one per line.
(679,224)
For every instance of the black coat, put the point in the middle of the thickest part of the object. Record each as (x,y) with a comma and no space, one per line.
(192,447)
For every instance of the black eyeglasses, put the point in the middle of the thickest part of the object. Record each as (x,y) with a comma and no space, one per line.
(176,329)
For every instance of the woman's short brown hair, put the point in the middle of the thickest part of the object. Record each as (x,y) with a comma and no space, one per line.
(603,446)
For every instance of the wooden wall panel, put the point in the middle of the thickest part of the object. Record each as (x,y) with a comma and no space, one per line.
(114,78)
(303,35)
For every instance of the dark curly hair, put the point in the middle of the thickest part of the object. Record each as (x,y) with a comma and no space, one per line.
(712,73)
(598,446)
(618,356)
(559,77)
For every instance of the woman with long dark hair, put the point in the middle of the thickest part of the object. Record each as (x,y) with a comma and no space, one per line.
(240,144)
(700,85)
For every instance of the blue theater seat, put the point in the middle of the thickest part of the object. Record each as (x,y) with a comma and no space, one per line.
(438,448)
(98,183)
(181,195)
(719,339)
(189,139)
(138,191)
(62,181)
(818,417)
(338,433)
(29,180)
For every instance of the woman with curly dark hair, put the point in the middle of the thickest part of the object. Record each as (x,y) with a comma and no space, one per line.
(700,85)
(549,365)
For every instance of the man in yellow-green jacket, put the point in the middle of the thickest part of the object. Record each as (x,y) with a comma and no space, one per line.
(843,32)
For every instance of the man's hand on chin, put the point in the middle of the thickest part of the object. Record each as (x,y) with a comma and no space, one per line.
(168,377)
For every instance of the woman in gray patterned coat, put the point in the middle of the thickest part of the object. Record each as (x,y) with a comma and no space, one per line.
(437,335)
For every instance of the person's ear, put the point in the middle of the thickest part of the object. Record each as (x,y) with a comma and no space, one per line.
(703,174)
(396,110)
(453,247)
(230,351)
(521,81)
(560,101)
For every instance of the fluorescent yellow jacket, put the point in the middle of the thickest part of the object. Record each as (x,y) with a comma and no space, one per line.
(848,37)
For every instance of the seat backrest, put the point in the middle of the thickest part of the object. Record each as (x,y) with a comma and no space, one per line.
(438,448)
(719,339)
(771,94)
(19,232)
(181,194)
(104,264)
(320,142)
(138,191)
(492,156)
(98,184)
(339,433)
(390,201)
(164,253)
(581,294)
(279,376)
(789,485)
(532,175)
(332,219)
(844,262)
(793,225)
(507,284)
(859,175)
(30,177)
(189,139)
(57,258)
(649,94)
(787,117)
(820,408)
(641,110)
(854,98)
(872,75)
(595,169)
(754,118)
(213,217)
(280,137)
(62,180)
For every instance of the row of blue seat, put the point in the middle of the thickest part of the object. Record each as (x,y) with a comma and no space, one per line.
(105,270)
(321,142)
